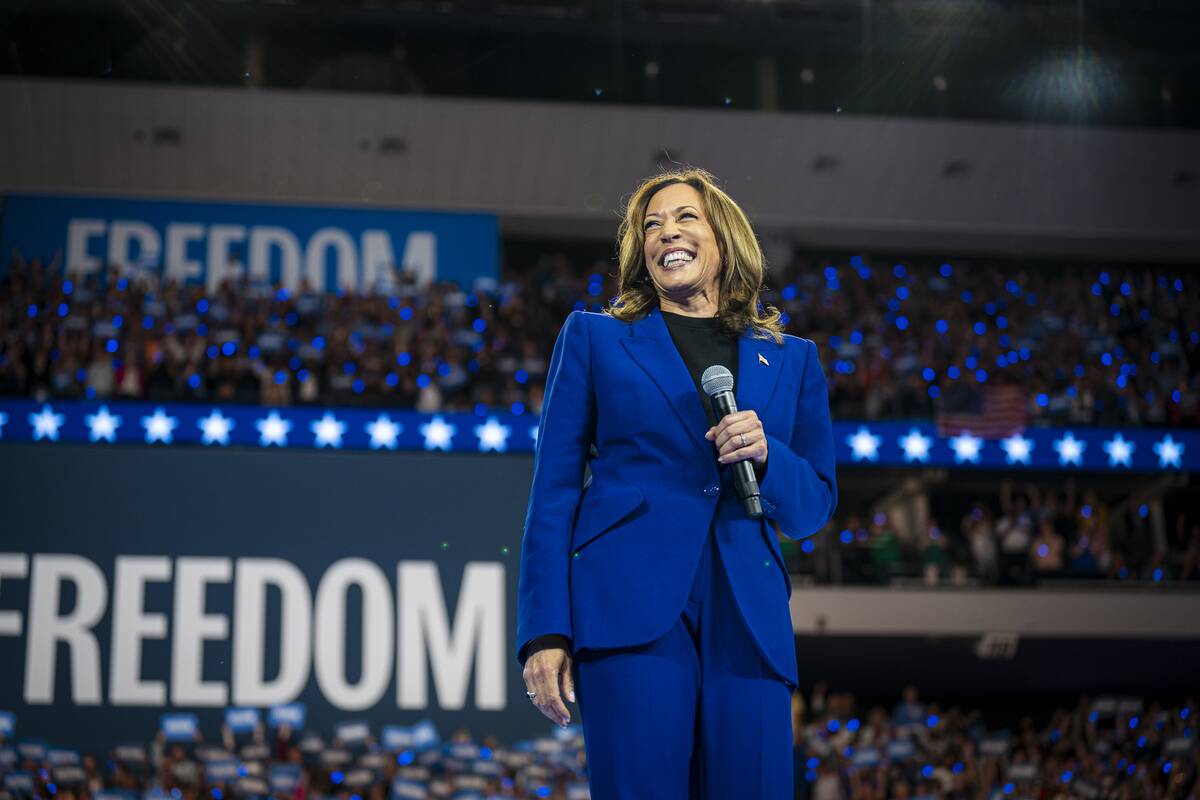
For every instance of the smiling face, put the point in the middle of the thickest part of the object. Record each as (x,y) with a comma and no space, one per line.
(681,251)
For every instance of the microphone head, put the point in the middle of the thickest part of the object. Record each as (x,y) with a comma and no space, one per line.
(716,379)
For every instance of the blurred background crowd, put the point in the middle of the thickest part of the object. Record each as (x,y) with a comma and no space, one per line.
(900,338)
(843,749)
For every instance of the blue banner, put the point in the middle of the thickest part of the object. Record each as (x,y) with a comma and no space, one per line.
(290,714)
(878,444)
(204,243)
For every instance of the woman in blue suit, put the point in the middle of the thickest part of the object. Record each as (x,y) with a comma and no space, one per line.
(647,593)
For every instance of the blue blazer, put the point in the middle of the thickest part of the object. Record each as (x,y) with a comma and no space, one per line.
(611,564)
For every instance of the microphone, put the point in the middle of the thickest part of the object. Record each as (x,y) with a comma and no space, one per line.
(717,383)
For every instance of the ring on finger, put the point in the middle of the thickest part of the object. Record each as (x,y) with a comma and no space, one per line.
(743,439)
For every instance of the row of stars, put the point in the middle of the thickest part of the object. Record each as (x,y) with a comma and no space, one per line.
(1018,449)
(328,431)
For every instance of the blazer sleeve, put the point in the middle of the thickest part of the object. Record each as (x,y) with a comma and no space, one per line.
(565,433)
(799,489)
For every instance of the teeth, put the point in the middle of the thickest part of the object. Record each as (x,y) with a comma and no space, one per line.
(676,256)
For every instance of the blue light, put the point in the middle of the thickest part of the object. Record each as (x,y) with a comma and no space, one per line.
(1115,310)
(893,305)
(392,379)
(479,325)
(928,374)
(853,725)
(202,306)
(902,323)
(864,272)
(981,375)
(201,329)
(1066,776)
(1158,575)
(1176,397)
(111,345)
(403,359)
(807,546)
(1106,359)
(229,348)
(406,313)
(1104,278)
(543,791)
(1079,370)
(405,758)
(1001,361)
(253,352)
(283,294)
(902,292)
(1178,285)
(302,375)
(32,310)
(941,326)
(832,285)
(953,372)
(122,284)
(1130,770)
(1009,788)
(813,763)
(784,318)
(1143,510)
(63,309)
(280,377)
(518,408)
(148,323)
(443,369)
(856,337)
(422,380)
(933,391)
(211,351)
(1141,742)
(1092,717)
(1184,712)
(979,328)
(1097,289)
(847,536)
(946,270)
(521,376)
(291,319)
(833,725)
(789,292)
(1043,400)
(1126,290)
(217,794)
(927,771)
(1043,551)
(1002,322)
(810,776)
(967,296)
(990,309)
(831,273)
(898,270)
(1166,768)
(69,287)
(336,776)
(358,386)
(931,721)
(957,768)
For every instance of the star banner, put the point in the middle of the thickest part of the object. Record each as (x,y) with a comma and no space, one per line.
(883,444)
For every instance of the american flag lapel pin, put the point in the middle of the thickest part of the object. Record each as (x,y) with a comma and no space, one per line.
(763,359)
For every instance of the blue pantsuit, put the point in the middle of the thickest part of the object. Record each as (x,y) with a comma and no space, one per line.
(675,602)
(696,713)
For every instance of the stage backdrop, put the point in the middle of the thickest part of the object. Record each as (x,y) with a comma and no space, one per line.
(334,248)
(369,586)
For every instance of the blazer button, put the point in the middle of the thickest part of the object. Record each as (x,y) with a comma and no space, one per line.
(712,491)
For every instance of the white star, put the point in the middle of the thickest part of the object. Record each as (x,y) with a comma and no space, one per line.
(864,444)
(3,419)
(438,433)
(1168,452)
(1017,449)
(46,424)
(159,427)
(1070,450)
(383,432)
(273,430)
(533,433)
(103,425)
(966,447)
(1119,450)
(215,428)
(328,431)
(492,435)
(916,446)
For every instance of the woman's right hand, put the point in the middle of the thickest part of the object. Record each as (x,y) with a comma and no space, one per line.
(545,672)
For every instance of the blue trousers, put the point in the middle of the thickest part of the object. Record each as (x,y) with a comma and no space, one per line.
(696,713)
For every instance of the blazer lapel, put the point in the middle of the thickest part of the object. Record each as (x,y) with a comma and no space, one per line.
(652,348)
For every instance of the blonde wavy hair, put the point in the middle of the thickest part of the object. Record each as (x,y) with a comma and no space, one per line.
(742,262)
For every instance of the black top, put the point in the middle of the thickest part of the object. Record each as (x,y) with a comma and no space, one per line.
(701,343)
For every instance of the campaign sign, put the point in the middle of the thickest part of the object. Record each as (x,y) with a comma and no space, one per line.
(284,778)
(32,749)
(179,727)
(901,749)
(405,789)
(114,794)
(19,782)
(241,720)
(352,733)
(8,724)
(331,249)
(291,714)
(221,770)
(425,734)
(396,738)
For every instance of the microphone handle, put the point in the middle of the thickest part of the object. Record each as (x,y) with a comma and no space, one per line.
(744,481)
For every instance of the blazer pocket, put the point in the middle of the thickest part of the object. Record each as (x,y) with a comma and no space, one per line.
(600,510)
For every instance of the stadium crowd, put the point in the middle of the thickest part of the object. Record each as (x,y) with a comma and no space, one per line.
(1020,537)
(1090,345)
(1106,748)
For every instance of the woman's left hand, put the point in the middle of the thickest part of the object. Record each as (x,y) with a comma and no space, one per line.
(728,435)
